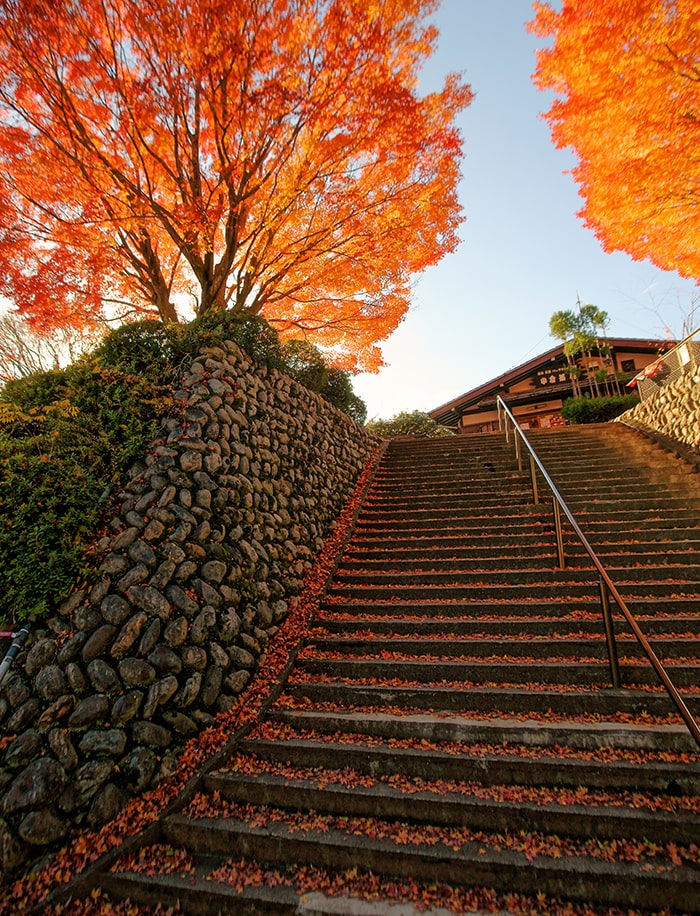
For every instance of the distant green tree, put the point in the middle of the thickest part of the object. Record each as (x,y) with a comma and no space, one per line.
(408,423)
(580,332)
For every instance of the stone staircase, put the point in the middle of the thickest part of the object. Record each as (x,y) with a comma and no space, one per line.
(447,739)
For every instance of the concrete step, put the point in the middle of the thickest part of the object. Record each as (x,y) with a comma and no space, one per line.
(524,627)
(301,791)
(481,671)
(513,558)
(454,728)
(196,894)
(462,574)
(475,500)
(463,531)
(506,700)
(502,510)
(655,536)
(489,765)
(331,849)
(592,647)
(630,592)
(666,525)
(518,609)
(575,491)
(491,516)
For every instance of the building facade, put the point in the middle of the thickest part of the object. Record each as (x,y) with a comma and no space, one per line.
(536,390)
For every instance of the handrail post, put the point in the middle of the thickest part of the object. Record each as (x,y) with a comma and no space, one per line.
(609,634)
(533,477)
(498,410)
(518,451)
(558,531)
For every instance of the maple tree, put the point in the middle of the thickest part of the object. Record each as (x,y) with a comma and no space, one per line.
(273,156)
(627,77)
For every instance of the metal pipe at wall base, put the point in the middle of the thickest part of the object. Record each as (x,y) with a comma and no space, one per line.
(19,639)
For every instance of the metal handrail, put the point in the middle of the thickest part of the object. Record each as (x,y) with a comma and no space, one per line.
(607,586)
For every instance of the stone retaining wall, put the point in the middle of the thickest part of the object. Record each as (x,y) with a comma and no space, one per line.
(673,410)
(215,531)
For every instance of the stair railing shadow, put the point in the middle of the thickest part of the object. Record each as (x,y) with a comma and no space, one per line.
(508,423)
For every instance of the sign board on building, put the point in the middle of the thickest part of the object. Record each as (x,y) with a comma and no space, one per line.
(553,376)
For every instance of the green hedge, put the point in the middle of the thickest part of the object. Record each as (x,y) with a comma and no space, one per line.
(597,410)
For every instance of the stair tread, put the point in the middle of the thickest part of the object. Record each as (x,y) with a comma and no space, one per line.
(446,717)
(453,727)
(465,857)
(603,814)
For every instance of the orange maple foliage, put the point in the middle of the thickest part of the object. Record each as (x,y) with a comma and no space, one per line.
(273,156)
(628,80)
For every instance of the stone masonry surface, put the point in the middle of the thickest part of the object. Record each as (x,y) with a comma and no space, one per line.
(673,410)
(214,533)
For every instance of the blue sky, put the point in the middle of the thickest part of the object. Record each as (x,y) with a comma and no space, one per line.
(524,253)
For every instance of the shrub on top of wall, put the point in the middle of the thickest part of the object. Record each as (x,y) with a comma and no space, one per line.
(597,410)
(68,436)
(57,459)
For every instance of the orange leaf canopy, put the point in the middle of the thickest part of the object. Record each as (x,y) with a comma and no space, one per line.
(628,77)
(273,156)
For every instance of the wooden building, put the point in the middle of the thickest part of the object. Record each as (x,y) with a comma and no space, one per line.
(536,390)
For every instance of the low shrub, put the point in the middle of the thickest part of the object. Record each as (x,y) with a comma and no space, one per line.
(304,362)
(597,410)
(409,423)
(38,390)
(252,333)
(144,347)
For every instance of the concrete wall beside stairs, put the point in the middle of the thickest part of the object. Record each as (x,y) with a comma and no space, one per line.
(214,533)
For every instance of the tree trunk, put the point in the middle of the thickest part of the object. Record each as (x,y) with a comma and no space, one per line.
(166,309)
(148,266)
